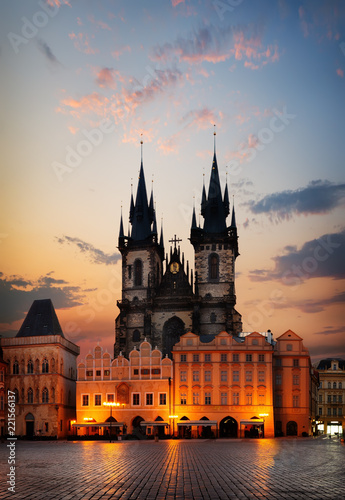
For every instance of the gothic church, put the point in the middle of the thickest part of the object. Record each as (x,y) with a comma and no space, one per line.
(161,303)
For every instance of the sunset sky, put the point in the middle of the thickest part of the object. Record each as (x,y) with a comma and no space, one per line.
(82,80)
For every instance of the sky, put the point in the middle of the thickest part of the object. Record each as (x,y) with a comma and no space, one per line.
(84,81)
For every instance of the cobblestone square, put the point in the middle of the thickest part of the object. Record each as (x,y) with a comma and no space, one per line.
(277,469)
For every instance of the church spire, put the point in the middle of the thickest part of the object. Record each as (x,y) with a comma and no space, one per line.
(121,232)
(194,225)
(233,219)
(141,218)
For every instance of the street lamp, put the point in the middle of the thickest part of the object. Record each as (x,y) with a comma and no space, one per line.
(111,404)
(263,415)
(173,420)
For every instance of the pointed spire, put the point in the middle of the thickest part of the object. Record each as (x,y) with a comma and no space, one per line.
(194,226)
(233,218)
(161,239)
(121,233)
(226,198)
(203,196)
(141,219)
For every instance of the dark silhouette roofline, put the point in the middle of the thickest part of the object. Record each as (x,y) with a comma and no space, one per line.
(41,320)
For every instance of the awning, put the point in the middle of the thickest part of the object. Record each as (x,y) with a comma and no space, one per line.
(155,423)
(258,421)
(100,424)
(204,423)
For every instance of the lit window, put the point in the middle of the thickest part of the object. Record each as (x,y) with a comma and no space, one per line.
(249,398)
(98,399)
(183,398)
(89,373)
(195,398)
(236,398)
(106,373)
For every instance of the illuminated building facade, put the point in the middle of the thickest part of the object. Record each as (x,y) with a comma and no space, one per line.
(41,372)
(331,402)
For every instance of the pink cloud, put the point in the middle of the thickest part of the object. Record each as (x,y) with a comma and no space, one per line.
(82,43)
(91,103)
(105,78)
(176,2)
(202,118)
(101,24)
(117,53)
(169,145)
(340,72)
(73,130)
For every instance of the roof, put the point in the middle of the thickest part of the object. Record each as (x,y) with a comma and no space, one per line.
(326,363)
(41,320)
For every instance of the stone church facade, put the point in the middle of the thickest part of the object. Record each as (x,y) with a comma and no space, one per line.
(161,306)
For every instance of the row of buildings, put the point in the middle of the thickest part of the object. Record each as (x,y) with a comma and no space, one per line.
(182,364)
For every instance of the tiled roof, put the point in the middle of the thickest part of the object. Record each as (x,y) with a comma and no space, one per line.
(40,320)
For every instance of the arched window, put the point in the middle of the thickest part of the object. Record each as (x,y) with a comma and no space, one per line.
(45,366)
(30,395)
(329,385)
(45,395)
(213,264)
(138,272)
(15,368)
(136,336)
(340,385)
(334,385)
(30,366)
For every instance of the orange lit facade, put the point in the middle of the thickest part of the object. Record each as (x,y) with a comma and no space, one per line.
(140,387)
(331,400)
(227,381)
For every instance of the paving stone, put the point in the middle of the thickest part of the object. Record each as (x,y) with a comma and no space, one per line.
(279,469)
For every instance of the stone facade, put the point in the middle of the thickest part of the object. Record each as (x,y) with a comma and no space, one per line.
(331,400)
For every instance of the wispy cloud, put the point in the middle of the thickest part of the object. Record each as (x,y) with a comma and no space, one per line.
(317,198)
(106,78)
(93,254)
(118,52)
(318,258)
(201,118)
(81,42)
(47,52)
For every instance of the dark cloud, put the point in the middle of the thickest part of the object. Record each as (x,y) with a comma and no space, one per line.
(331,330)
(318,197)
(95,255)
(322,257)
(46,50)
(16,298)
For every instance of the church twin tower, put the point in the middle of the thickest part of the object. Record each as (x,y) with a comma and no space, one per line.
(161,305)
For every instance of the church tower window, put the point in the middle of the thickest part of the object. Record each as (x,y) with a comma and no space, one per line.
(138,272)
(214,266)
(136,336)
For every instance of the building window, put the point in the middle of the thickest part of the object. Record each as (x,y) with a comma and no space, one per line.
(207,398)
(85,400)
(261,358)
(183,376)
(110,398)
(295,401)
(261,399)
(149,399)
(235,376)
(289,347)
(136,399)
(320,411)
(196,358)
(334,385)
(183,398)
(45,366)
(183,358)
(213,318)
(329,398)
(248,357)
(279,401)
(236,398)
(249,398)
(136,336)
(89,373)
(340,399)
(340,411)
(329,414)
(156,371)
(16,395)
(45,395)
(329,385)
(195,376)
(207,376)
(223,358)
(320,398)
(30,395)
(98,399)
(261,376)
(334,367)
(213,269)
(224,376)
(296,362)
(278,362)
(278,379)
(106,373)
(138,272)
(249,376)
(334,398)
(207,358)
(195,398)
(145,371)
(98,373)
(235,358)
(223,398)
(162,399)
(15,368)
(30,367)
(334,412)
(340,385)
(295,380)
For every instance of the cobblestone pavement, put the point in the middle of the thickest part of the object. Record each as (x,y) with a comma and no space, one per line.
(274,469)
